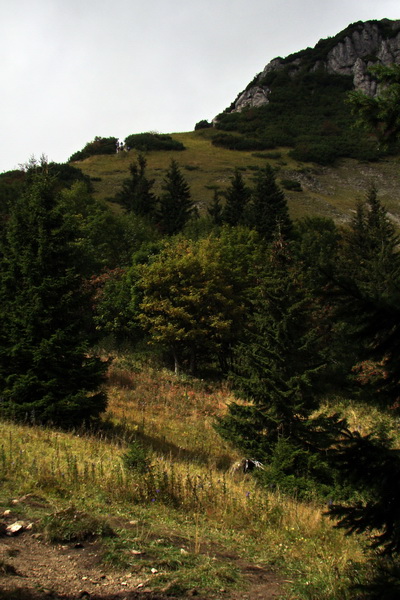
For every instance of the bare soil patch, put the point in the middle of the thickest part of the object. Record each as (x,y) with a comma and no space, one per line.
(36,570)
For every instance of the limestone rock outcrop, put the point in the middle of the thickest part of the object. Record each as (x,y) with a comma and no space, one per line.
(351,52)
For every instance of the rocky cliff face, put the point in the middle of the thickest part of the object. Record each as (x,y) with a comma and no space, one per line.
(352,52)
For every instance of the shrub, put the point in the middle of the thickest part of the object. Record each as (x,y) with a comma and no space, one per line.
(144,142)
(204,124)
(235,142)
(99,145)
(292,185)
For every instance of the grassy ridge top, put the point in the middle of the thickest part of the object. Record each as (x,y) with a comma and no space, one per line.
(327,191)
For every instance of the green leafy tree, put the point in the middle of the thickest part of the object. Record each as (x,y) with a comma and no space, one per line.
(176,206)
(46,370)
(269,213)
(189,305)
(237,196)
(136,193)
(380,114)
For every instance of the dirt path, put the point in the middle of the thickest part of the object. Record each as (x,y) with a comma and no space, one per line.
(36,570)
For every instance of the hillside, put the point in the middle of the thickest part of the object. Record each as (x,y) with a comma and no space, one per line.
(300,100)
(188,527)
(327,191)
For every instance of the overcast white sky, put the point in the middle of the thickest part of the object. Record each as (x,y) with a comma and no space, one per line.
(74,69)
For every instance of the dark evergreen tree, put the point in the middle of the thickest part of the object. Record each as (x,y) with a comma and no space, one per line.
(268,212)
(136,193)
(46,370)
(176,205)
(215,209)
(237,196)
(366,290)
(279,370)
(372,465)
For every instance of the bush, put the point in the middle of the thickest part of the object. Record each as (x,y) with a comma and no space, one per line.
(144,142)
(235,142)
(292,185)
(204,124)
(99,145)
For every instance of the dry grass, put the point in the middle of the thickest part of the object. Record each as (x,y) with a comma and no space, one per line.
(188,492)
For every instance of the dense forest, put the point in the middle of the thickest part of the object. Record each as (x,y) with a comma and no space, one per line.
(291,313)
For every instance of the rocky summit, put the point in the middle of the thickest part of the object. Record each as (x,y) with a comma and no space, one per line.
(351,52)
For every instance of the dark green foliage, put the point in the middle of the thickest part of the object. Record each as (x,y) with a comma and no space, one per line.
(99,145)
(215,209)
(316,242)
(268,211)
(136,193)
(175,206)
(380,114)
(66,175)
(373,467)
(366,291)
(292,185)
(144,142)
(203,124)
(279,370)
(236,142)
(116,303)
(306,110)
(383,582)
(237,196)
(46,371)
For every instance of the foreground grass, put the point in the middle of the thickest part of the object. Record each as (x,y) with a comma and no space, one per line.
(180,525)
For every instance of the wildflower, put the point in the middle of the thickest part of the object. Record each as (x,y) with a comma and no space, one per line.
(247,494)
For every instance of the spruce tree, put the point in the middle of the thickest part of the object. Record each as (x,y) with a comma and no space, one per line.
(136,194)
(279,371)
(237,196)
(215,209)
(268,212)
(366,291)
(176,205)
(47,373)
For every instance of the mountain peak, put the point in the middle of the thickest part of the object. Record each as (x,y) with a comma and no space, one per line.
(351,52)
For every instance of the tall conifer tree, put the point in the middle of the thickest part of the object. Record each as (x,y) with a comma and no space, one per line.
(279,371)
(136,194)
(237,196)
(269,213)
(176,205)
(46,371)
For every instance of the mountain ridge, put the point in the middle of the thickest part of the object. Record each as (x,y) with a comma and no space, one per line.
(351,53)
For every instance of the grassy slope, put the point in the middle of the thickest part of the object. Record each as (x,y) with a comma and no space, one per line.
(331,192)
(191,520)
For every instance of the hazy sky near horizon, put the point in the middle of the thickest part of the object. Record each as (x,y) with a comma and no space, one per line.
(75,69)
